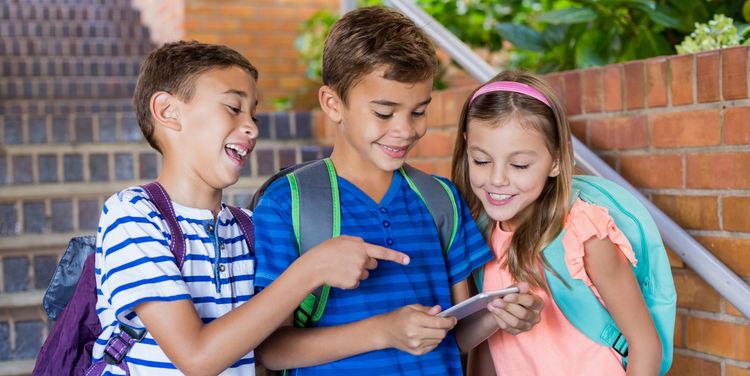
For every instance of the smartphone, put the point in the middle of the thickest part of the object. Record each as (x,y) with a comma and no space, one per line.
(476,303)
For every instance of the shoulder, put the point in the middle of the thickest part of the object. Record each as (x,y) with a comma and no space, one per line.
(278,190)
(130,200)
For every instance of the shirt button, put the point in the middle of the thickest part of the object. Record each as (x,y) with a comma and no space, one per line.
(222,268)
(386,224)
(210,228)
(383,210)
(221,246)
(389,241)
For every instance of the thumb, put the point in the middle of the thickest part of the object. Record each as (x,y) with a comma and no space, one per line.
(434,310)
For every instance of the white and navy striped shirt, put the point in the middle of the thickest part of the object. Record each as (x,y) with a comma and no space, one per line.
(134,265)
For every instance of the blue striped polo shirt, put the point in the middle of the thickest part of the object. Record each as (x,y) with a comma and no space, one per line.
(134,265)
(402,222)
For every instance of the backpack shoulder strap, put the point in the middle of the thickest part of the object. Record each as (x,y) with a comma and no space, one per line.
(164,205)
(245,221)
(316,217)
(438,198)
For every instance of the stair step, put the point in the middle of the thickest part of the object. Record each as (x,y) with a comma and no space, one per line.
(87,87)
(53,66)
(61,46)
(70,12)
(86,29)
(65,106)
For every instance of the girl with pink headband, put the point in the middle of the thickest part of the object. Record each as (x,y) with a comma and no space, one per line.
(513,162)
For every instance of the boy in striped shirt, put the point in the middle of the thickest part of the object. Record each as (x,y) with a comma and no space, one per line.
(378,68)
(195,104)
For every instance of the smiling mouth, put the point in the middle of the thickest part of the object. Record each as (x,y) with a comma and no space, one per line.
(238,152)
(395,151)
(499,197)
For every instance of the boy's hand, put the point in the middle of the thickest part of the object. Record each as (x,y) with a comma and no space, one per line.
(415,329)
(344,261)
(517,313)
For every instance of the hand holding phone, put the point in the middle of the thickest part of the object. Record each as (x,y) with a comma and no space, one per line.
(476,303)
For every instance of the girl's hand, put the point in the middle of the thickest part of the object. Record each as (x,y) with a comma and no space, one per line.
(517,313)
(414,328)
(346,260)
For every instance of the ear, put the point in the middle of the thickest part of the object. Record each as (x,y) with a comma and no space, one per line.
(330,103)
(555,171)
(165,110)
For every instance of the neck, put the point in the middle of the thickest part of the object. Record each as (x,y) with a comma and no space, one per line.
(369,178)
(189,190)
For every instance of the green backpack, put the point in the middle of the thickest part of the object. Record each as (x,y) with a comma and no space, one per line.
(316,215)
(653,273)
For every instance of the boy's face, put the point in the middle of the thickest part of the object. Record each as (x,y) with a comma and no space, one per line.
(382,121)
(218,127)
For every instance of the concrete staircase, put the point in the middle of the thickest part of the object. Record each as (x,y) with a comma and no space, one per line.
(69,139)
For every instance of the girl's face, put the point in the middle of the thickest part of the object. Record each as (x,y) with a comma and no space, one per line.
(508,167)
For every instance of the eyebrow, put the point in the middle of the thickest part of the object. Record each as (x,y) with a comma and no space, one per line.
(384,102)
(525,151)
(236,92)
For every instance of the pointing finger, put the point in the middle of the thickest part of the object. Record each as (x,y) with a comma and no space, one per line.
(386,254)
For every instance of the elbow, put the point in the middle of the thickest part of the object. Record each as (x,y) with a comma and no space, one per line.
(265,358)
(195,365)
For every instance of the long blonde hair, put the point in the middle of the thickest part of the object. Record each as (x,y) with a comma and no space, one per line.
(549,211)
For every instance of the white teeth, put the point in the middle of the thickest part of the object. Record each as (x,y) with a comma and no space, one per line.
(392,149)
(240,151)
(496,196)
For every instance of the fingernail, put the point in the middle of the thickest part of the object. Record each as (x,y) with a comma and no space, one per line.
(406,260)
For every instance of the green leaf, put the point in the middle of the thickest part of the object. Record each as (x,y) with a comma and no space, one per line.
(567,16)
(522,36)
(665,16)
(591,49)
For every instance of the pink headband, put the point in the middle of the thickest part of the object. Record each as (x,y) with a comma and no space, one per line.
(511,86)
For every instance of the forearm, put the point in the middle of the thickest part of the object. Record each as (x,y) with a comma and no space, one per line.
(291,347)
(644,357)
(474,330)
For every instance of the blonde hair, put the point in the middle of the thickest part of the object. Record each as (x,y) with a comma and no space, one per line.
(549,211)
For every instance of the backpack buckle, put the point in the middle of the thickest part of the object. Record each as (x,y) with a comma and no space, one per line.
(621,347)
(119,344)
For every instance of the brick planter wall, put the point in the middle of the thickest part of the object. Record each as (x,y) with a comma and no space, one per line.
(678,128)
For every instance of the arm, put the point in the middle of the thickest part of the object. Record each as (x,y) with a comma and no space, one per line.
(414,329)
(514,313)
(613,277)
(196,348)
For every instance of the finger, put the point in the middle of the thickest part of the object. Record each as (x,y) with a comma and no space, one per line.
(365,274)
(528,300)
(508,321)
(518,311)
(383,253)
(371,263)
(434,310)
(435,322)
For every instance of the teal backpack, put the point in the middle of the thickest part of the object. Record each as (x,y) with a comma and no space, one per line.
(653,273)
(316,215)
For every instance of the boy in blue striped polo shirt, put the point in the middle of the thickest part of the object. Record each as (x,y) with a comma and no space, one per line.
(195,104)
(378,68)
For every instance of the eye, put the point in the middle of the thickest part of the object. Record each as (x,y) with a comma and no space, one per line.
(235,110)
(255,119)
(520,166)
(383,116)
(480,163)
(417,114)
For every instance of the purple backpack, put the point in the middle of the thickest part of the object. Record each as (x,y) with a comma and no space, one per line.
(71,300)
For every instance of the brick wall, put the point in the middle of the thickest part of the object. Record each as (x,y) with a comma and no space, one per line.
(677,128)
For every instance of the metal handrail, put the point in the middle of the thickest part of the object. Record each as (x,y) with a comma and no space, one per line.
(712,270)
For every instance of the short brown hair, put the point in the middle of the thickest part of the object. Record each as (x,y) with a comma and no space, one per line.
(173,68)
(367,38)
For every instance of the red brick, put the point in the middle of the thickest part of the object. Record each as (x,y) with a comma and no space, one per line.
(592,90)
(424,165)
(435,112)
(683,129)
(681,79)
(436,144)
(736,217)
(694,293)
(736,126)
(578,127)
(443,167)
(619,133)
(652,171)
(634,85)
(737,371)
(707,76)
(690,212)
(719,338)
(613,87)
(685,365)
(729,170)
(674,260)
(656,82)
(734,72)
(733,252)
(679,332)
(453,102)
(572,96)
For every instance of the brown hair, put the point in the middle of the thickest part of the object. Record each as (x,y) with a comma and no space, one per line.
(173,68)
(367,38)
(550,209)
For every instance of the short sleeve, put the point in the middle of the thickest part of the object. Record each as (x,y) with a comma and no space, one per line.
(275,244)
(584,222)
(469,250)
(133,260)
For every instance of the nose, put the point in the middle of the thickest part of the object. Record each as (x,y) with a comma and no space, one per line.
(498,176)
(408,127)
(250,128)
